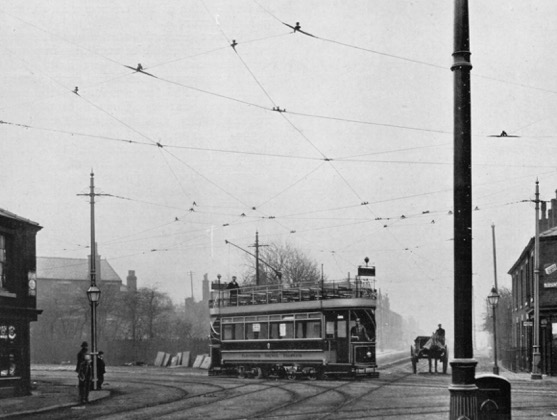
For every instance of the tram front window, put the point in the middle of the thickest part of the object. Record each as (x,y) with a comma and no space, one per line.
(362,326)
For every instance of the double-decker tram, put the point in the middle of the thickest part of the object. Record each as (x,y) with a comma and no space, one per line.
(308,330)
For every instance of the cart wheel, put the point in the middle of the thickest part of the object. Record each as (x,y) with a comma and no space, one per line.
(445,359)
(241,372)
(290,375)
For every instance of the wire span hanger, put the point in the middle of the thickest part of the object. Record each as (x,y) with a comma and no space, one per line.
(503,134)
(297,28)
(139,69)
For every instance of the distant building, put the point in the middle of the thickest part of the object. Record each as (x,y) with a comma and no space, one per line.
(522,273)
(72,273)
(18,305)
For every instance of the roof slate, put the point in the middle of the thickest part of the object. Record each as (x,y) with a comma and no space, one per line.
(72,269)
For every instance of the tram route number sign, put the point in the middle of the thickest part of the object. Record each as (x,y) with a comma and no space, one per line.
(366,271)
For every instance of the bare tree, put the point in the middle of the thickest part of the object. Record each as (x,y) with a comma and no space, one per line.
(292,264)
(503,318)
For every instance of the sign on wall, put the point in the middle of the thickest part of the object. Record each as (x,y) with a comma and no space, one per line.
(550,269)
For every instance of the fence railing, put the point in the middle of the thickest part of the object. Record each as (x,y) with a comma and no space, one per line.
(280,293)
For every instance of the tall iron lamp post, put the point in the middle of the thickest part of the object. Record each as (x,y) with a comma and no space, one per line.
(219,294)
(94,295)
(493,300)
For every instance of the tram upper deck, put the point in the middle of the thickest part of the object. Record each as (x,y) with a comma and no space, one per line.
(326,294)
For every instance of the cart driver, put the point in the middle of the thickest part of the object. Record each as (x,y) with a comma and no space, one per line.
(358,332)
(440,333)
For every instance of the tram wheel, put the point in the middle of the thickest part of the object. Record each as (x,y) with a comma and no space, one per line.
(241,372)
(258,373)
(312,375)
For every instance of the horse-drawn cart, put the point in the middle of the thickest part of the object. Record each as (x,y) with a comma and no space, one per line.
(430,348)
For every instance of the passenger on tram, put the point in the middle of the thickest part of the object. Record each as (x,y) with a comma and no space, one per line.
(233,286)
(358,332)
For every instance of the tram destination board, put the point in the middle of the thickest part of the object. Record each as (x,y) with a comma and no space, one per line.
(366,271)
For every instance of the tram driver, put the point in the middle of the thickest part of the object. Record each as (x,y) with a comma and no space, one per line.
(358,332)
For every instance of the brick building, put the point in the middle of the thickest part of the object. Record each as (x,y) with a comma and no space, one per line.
(522,273)
(18,306)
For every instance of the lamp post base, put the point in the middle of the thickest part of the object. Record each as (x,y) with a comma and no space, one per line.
(463,390)
(536,358)
(496,370)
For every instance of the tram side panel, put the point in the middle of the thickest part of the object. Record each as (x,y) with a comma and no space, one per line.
(299,340)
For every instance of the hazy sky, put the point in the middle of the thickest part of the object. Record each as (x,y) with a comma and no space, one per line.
(360,164)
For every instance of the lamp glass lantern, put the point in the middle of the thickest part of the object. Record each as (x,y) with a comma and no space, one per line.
(493,298)
(94,294)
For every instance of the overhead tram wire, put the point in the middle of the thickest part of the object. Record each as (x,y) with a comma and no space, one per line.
(256,105)
(292,185)
(74,133)
(61,38)
(150,144)
(158,144)
(287,119)
(411,60)
(273,102)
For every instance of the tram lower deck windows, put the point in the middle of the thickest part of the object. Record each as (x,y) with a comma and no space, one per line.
(257,331)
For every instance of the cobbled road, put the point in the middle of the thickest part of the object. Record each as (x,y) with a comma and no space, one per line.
(157,393)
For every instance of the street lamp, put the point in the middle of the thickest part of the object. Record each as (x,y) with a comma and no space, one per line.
(493,300)
(219,294)
(94,295)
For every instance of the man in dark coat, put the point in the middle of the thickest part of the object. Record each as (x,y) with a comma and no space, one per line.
(358,332)
(440,333)
(81,355)
(101,370)
(84,376)
(233,286)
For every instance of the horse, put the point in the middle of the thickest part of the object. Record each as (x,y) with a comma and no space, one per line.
(436,349)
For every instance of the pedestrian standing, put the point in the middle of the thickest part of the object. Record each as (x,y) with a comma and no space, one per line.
(84,377)
(101,370)
(81,355)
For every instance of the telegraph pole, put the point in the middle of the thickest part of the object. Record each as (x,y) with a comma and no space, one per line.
(494,257)
(495,367)
(463,389)
(257,246)
(536,350)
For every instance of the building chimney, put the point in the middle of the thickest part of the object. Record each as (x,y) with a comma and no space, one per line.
(543,222)
(205,289)
(131,281)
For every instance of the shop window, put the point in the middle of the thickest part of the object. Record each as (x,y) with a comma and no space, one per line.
(8,350)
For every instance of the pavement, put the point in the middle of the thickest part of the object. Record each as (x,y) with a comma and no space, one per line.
(44,397)
(49,395)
